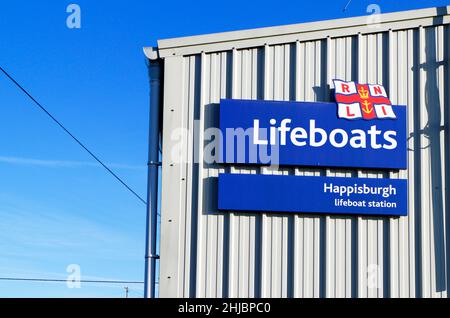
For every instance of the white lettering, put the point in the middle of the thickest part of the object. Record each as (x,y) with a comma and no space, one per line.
(256,139)
(344,138)
(373,133)
(299,133)
(283,130)
(359,139)
(348,191)
(313,131)
(318,137)
(388,136)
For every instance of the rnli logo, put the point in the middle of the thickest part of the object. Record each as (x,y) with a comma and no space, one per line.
(365,101)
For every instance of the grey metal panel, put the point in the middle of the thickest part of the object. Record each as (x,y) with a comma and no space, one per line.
(276,240)
(173,220)
(308,231)
(245,240)
(340,233)
(210,254)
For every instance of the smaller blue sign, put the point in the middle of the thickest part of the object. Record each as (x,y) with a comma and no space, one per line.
(331,195)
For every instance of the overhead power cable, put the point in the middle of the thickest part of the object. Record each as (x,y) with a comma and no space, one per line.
(346,6)
(71,135)
(45,280)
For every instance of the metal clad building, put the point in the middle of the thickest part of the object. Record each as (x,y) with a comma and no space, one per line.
(205,253)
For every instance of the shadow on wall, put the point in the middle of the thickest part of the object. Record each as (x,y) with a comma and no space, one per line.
(210,201)
(431,132)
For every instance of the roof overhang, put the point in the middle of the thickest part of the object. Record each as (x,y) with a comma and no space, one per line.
(299,32)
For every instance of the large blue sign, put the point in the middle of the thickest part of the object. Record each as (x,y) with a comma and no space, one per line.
(269,193)
(311,134)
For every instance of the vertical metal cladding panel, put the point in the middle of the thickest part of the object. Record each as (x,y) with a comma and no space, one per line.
(207,253)
(244,239)
(308,253)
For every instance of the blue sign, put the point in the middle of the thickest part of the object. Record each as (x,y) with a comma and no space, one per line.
(311,134)
(269,193)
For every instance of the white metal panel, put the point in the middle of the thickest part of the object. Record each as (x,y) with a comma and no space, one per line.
(308,238)
(174,263)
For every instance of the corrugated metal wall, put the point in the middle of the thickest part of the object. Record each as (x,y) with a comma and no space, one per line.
(209,254)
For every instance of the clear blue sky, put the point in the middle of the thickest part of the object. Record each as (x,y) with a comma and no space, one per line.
(56,206)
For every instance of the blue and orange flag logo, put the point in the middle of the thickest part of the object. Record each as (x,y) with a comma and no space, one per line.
(366,101)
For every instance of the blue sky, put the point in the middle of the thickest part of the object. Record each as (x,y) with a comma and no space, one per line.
(57,207)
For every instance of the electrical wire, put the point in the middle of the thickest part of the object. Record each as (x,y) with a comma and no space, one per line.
(346,6)
(71,135)
(45,280)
